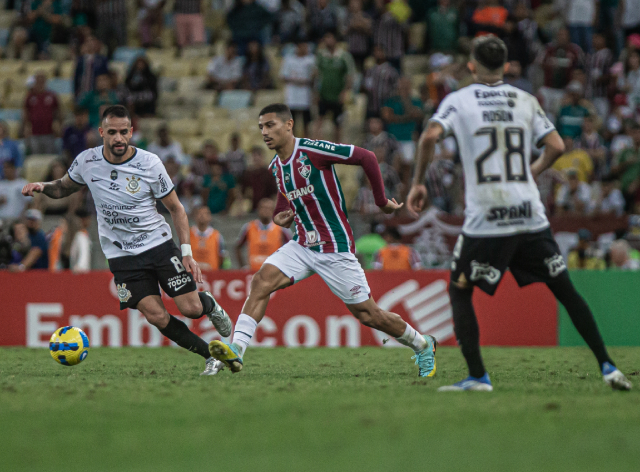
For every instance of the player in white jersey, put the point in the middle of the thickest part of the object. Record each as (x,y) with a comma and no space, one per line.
(125,183)
(505,224)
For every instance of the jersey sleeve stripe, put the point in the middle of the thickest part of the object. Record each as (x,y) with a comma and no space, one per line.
(328,153)
(74,181)
(445,127)
(171,190)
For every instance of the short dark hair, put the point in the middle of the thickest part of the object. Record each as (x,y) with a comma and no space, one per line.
(118,111)
(280,109)
(489,51)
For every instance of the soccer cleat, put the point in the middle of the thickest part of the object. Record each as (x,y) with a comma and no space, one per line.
(213,367)
(614,378)
(474,384)
(426,359)
(227,354)
(219,318)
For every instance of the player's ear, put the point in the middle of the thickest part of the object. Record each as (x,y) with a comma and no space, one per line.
(472,67)
(101,131)
(507,67)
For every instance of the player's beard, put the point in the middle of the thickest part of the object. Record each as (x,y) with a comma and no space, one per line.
(119,153)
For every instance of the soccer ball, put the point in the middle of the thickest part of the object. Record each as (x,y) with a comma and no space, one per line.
(69,345)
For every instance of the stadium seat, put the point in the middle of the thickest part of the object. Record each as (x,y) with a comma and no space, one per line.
(4,36)
(167,84)
(193,145)
(170,98)
(267,97)
(10,67)
(202,50)
(48,67)
(234,99)
(200,66)
(67,101)
(173,112)
(60,52)
(177,68)
(213,128)
(67,69)
(148,126)
(14,128)
(60,86)
(14,100)
(120,67)
(7,18)
(127,55)
(417,34)
(36,166)
(245,114)
(415,64)
(11,114)
(209,113)
(190,84)
(185,127)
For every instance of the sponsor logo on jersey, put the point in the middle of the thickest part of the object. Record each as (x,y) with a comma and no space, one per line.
(495,93)
(137,165)
(109,206)
(179,281)
(305,168)
(114,186)
(491,103)
(355,290)
(312,239)
(123,293)
(318,144)
(134,243)
(448,111)
(497,115)
(287,178)
(133,185)
(93,158)
(300,192)
(114,174)
(163,183)
(555,264)
(74,164)
(510,215)
(481,270)
(547,123)
(94,180)
(118,220)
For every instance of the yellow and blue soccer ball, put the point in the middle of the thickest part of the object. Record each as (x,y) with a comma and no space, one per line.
(69,345)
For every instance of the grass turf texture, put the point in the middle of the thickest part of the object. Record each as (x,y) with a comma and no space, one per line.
(315,409)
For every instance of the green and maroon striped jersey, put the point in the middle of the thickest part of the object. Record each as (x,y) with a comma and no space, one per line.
(309,182)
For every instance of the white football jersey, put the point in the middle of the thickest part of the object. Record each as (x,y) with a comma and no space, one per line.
(496,128)
(125,197)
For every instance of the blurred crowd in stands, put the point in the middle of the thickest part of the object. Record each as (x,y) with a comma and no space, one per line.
(194,74)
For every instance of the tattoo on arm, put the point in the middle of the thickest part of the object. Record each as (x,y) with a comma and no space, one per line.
(61,188)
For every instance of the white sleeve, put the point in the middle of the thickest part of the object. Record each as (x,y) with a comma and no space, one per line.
(447,114)
(541,125)
(160,183)
(75,171)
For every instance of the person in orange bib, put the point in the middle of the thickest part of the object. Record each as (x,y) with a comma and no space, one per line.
(207,243)
(262,236)
(395,255)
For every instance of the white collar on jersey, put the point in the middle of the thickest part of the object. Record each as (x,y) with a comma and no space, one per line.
(495,84)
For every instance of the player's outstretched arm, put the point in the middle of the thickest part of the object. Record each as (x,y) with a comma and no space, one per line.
(417,198)
(57,189)
(553,149)
(283,214)
(181,223)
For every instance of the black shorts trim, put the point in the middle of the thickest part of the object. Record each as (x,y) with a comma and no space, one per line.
(325,107)
(531,257)
(141,275)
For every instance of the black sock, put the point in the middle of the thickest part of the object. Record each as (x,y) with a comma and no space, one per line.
(466,328)
(178,332)
(207,303)
(581,317)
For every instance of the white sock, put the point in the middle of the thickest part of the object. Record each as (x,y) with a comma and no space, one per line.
(411,338)
(245,327)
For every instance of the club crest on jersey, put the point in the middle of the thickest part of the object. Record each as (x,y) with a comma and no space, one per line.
(484,271)
(305,168)
(555,264)
(123,294)
(133,185)
(114,174)
(287,178)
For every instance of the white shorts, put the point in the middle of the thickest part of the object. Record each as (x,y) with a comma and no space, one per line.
(341,271)
(408,149)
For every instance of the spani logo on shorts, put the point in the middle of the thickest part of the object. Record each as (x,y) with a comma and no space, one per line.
(484,271)
(555,264)
(123,294)
(133,185)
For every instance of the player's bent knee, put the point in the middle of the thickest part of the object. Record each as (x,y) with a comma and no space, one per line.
(264,283)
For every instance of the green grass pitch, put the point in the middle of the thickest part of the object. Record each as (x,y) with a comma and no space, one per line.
(315,410)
